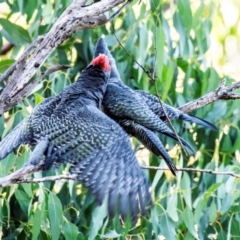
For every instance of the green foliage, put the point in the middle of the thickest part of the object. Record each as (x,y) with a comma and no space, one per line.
(14,33)
(170,41)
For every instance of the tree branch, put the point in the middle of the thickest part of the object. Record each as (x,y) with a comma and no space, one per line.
(19,175)
(9,182)
(223,92)
(25,55)
(75,17)
(209,171)
(29,88)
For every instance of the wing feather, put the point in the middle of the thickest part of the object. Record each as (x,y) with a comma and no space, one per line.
(102,157)
(19,135)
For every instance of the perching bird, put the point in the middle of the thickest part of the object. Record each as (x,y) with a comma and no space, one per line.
(123,105)
(133,110)
(70,128)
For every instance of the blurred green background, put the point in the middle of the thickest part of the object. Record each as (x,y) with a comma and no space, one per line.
(192,45)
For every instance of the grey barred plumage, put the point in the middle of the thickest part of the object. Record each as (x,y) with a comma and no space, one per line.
(173,113)
(124,106)
(70,128)
(149,139)
(139,113)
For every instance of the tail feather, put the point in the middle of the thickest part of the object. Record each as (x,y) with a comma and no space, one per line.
(193,119)
(156,146)
(173,113)
(150,141)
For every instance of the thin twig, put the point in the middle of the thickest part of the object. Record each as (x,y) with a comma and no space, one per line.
(116,14)
(155,85)
(31,85)
(48,179)
(156,90)
(209,171)
(17,177)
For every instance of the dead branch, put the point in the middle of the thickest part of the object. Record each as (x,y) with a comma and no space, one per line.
(11,69)
(5,182)
(209,171)
(29,88)
(223,92)
(19,176)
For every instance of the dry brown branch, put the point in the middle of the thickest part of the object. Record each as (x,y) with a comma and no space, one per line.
(11,69)
(9,182)
(223,92)
(19,176)
(29,88)
(209,171)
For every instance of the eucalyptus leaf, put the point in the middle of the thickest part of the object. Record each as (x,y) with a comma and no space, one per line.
(14,33)
(70,230)
(188,218)
(22,199)
(55,215)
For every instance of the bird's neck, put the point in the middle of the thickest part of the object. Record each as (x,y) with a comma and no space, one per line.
(88,89)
